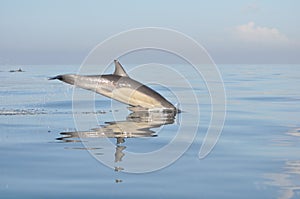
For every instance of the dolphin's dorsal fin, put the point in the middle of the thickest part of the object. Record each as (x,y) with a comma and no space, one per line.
(119,70)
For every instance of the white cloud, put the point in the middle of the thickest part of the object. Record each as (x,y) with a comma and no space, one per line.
(252,33)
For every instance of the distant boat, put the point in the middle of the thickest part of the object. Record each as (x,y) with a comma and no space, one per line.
(18,70)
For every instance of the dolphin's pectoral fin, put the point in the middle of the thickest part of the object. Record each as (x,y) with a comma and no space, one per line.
(119,70)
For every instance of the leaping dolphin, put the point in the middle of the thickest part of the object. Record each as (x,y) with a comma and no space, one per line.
(121,87)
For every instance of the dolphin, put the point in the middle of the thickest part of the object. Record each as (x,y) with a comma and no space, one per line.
(119,86)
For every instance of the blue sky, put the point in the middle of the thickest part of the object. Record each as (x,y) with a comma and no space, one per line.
(63,32)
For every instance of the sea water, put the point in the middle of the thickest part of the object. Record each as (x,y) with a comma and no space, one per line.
(256,156)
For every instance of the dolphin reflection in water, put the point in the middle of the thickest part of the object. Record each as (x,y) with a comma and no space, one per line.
(121,87)
(137,124)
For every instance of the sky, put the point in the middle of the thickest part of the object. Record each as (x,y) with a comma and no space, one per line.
(232,32)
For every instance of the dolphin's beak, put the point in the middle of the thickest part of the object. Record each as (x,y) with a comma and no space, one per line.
(70,79)
(59,77)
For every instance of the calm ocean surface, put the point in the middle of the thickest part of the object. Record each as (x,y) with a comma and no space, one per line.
(257,155)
